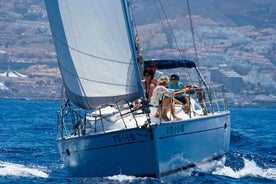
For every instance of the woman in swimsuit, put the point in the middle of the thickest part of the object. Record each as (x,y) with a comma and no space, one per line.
(148,83)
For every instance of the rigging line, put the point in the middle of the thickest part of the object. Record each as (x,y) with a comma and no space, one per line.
(194,42)
(163,26)
(192,30)
(171,30)
(87,54)
(160,18)
(162,23)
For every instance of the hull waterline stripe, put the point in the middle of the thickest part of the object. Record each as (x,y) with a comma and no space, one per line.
(189,166)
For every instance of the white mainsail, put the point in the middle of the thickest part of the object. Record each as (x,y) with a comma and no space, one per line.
(95,51)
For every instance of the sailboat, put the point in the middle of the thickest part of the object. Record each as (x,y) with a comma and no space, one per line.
(100,132)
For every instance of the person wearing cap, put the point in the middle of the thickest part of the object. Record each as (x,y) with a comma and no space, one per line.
(162,94)
(176,85)
(188,89)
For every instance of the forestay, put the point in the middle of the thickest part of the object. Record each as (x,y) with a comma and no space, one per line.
(95,51)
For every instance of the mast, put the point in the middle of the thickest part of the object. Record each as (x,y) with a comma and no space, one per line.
(132,35)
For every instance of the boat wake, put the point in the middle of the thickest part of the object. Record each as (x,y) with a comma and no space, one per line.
(122,178)
(18,170)
(250,169)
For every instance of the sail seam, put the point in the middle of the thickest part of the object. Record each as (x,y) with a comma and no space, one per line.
(87,54)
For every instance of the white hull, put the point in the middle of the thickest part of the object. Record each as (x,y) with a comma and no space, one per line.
(156,151)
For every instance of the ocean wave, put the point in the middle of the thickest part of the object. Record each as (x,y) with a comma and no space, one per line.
(18,170)
(250,169)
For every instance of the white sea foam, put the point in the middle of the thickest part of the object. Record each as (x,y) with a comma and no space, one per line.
(18,170)
(122,178)
(250,169)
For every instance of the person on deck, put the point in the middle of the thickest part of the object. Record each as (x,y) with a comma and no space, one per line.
(152,67)
(189,89)
(148,83)
(164,95)
(176,85)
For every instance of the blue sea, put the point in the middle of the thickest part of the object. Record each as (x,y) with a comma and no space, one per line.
(28,151)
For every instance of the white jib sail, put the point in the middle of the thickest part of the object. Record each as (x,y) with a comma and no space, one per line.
(95,51)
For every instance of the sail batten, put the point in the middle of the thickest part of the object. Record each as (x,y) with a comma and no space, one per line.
(95,51)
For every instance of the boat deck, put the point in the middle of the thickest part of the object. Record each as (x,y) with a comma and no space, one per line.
(122,116)
(112,120)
